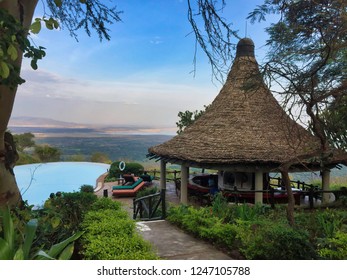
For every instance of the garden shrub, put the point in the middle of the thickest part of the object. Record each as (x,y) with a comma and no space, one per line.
(223,235)
(176,213)
(147,191)
(267,240)
(247,212)
(334,248)
(72,206)
(20,245)
(219,205)
(321,223)
(87,188)
(204,224)
(106,203)
(110,234)
(133,168)
(62,215)
(230,213)
(130,168)
(329,222)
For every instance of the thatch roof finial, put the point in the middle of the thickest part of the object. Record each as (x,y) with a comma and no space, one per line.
(245,47)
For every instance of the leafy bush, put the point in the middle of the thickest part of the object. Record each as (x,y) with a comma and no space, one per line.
(62,215)
(202,223)
(267,240)
(334,248)
(219,205)
(130,168)
(329,222)
(106,203)
(111,234)
(248,212)
(18,245)
(147,191)
(87,189)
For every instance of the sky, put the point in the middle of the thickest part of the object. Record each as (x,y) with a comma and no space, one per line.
(141,77)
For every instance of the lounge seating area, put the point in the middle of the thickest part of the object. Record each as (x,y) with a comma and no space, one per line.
(130,186)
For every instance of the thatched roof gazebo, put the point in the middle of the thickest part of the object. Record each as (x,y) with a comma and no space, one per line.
(243,130)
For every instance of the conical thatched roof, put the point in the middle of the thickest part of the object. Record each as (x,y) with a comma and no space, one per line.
(244,127)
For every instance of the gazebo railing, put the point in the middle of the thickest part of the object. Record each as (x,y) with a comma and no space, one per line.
(294,184)
(275,195)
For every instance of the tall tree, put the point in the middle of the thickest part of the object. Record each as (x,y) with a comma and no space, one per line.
(213,33)
(46,153)
(307,61)
(308,58)
(335,122)
(16,21)
(187,117)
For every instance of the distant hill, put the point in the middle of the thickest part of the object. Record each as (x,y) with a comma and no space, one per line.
(44,127)
(41,122)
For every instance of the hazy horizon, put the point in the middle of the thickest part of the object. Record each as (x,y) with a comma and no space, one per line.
(44,127)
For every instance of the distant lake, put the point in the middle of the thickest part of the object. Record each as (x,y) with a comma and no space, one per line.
(37,181)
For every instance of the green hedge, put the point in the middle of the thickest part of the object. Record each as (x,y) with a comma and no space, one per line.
(130,168)
(334,248)
(110,234)
(202,223)
(257,238)
(268,240)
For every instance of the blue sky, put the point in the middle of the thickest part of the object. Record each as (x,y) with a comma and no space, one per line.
(142,77)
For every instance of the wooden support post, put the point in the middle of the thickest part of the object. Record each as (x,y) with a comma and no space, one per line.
(162,175)
(163,204)
(326,185)
(259,187)
(310,198)
(184,184)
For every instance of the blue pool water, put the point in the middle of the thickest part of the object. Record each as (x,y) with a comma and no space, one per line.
(37,181)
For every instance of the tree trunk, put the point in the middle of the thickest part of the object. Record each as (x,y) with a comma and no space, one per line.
(291,201)
(21,10)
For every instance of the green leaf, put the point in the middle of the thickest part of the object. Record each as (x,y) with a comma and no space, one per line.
(49,25)
(19,255)
(12,52)
(30,230)
(4,70)
(67,253)
(36,26)
(55,24)
(42,255)
(55,222)
(8,229)
(58,248)
(5,252)
(33,64)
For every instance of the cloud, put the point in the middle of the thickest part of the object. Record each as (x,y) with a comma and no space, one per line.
(128,102)
(157,40)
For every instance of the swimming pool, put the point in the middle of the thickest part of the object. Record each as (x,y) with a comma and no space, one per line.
(37,181)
